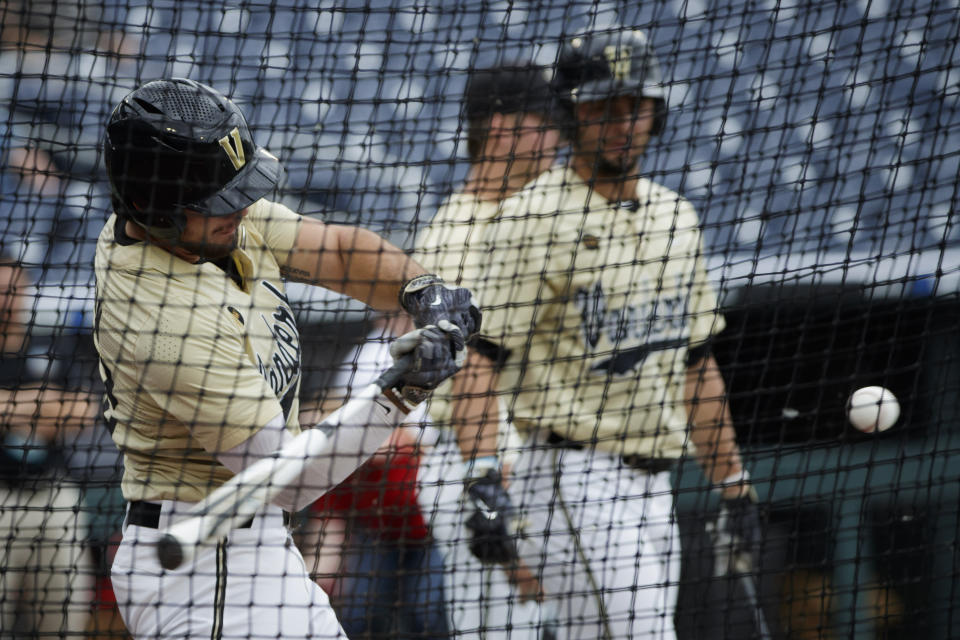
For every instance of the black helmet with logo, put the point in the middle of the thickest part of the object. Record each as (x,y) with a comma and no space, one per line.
(176,144)
(603,65)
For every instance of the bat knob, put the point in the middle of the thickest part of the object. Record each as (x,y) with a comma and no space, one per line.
(169,552)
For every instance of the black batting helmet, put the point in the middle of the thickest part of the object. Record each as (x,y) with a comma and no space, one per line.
(602,65)
(176,144)
(515,88)
(508,88)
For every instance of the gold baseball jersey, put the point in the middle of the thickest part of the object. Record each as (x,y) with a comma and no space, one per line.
(449,245)
(193,362)
(596,304)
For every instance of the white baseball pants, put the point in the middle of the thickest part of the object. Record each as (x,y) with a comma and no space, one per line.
(603,538)
(481,603)
(252,585)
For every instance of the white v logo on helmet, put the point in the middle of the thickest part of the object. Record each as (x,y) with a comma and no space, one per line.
(619,59)
(237,158)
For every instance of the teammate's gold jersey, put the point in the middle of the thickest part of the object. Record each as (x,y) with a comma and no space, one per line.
(194,363)
(596,302)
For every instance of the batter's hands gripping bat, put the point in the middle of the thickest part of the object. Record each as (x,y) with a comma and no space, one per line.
(423,359)
(429,300)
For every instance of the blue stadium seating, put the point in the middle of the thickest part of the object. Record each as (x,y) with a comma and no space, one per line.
(363,105)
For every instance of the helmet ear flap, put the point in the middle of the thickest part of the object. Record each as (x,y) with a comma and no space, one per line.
(167,227)
(137,191)
(167,233)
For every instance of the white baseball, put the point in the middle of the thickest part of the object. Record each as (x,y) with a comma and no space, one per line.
(873,409)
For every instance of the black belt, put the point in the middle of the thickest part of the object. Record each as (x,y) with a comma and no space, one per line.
(147,514)
(638,462)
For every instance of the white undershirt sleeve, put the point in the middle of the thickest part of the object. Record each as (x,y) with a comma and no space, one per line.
(352,433)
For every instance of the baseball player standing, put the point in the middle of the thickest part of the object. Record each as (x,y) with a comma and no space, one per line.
(511,139)
(200,356)
(597,303)
(508,116)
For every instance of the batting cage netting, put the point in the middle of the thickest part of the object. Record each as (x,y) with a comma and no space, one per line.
(693,230)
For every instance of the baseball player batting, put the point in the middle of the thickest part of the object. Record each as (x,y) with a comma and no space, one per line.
(200,356)
(597,303)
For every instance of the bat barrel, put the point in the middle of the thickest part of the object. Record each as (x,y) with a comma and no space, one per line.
(179,542)
(170,552)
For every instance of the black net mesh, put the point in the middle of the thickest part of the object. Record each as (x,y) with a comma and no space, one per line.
(818,145)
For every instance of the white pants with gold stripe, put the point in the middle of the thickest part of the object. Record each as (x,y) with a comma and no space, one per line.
(603,539)
(251,585)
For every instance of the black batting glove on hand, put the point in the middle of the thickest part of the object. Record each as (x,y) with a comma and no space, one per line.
(493,539)
(428,300)
(435,353)
(736,535)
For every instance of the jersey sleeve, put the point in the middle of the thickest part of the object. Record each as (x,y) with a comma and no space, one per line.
(278,225)
(200,375)
(706,319)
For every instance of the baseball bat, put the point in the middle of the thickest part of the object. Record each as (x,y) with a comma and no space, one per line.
(239,499)
(739,566)
(750,590)
(548,621)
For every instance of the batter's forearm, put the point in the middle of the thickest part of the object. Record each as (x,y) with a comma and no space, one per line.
(377,269)
(351,260)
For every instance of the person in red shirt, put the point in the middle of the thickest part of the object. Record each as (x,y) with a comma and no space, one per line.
(369,542)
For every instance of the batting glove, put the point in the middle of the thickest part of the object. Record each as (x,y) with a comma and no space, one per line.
(428,300)
(435,354)
(736,535)
(493,539)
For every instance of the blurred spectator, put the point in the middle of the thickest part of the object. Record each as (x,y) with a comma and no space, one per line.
(367,541)
(28,211)
(63,63)
(105,621)
(51,23)
(48,223)
(46,586)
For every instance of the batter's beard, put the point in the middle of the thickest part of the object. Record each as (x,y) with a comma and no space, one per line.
(209,250)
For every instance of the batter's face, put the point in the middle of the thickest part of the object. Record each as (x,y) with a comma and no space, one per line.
(613,134)
(210,238)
